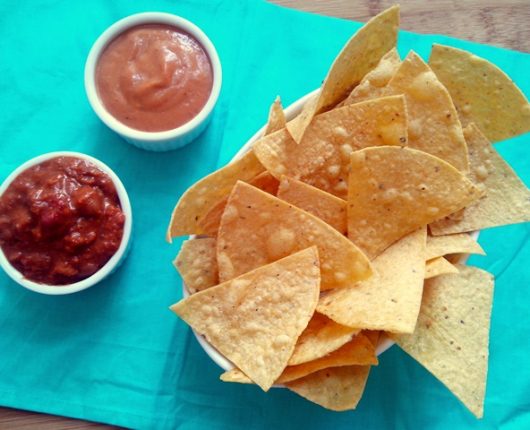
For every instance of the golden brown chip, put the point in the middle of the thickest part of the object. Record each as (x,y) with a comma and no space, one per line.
(434,126)
(209,223)
(197,264)
(360,55)
(463,243)
(337,388)
(276,117)
(359,351)
(374,83)
(202,195)
(325,206)
(482,93)
(373,336)
(394,191)
(257,228)
(438,266)
(255,319)
(507,200)
(322,157)
(389,300)
(452,334)
(321,336)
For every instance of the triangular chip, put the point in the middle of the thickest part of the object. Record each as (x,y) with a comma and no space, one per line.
(434,126)
(482,93)
(394,191)
(325,206)
(202,195)
(438,266)
(359,351)
(373,336)
(507,200)
(255,319)
(257,228)
(321,336)
(197,264)
(209,223)
(337,388)
(374,83)
(276,117)
(322,157)
(463,243)
(452,335)
(360,55)
(389,300)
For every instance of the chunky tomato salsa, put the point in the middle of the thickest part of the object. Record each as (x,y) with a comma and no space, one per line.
(60,221)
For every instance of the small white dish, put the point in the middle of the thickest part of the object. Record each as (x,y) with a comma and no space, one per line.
(109,266)
(159,140)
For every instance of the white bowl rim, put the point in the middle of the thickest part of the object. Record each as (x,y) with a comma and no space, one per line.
(140,19)
(107,268)
(290,112)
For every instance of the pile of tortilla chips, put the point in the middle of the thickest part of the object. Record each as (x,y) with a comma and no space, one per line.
(345,225)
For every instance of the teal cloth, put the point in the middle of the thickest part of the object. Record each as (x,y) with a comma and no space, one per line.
(115,353)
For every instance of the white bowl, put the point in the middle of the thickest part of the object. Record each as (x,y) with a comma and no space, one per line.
(109,266)
(159,140)
(290,112)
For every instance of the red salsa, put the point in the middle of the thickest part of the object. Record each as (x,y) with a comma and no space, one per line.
(60,221)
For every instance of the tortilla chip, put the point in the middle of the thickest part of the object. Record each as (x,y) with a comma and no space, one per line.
(325,206)
(394,191)
(322,157)
(255,319)
(337,388)
(320,337)
(389,300)
(374,83)
(434,126)
(209,223)
(277,119)
(507,200)
(482,93)
(452,334)
(463,243)
(359,351)
(360,55)
(257,228)
(202,195)
(373,336)
(438,266)
(197,264)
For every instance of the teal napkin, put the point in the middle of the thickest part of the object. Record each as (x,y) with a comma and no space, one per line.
(115,353)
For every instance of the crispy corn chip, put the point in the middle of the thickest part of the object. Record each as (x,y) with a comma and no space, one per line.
(434,126)
(452,334)
(374,83)
(325,206)
(209,223)
(197,264)
(507,200)
(257,228)
(482,93)
(438,266)
(394,191)
(337,388)
(277,119)
(389,300)
(255,319)
(321,336)
(360,55)
(463,243)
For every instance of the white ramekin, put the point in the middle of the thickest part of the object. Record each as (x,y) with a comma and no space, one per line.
(159,140)
(109,266)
